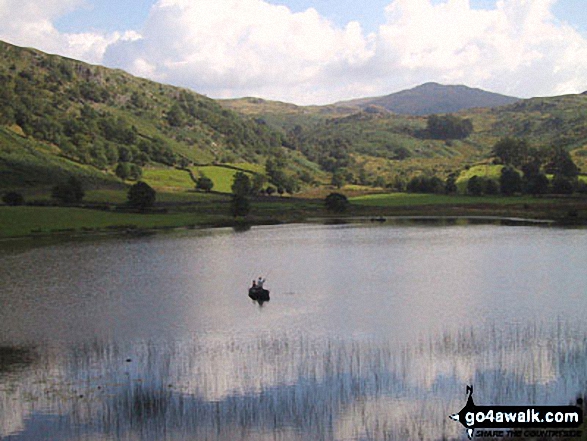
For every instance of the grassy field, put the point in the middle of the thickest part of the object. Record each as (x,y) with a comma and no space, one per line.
(221,176)
(23,221)
(414,199)
(186,209)
(168,178)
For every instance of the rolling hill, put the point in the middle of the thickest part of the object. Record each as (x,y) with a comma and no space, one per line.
(61,117)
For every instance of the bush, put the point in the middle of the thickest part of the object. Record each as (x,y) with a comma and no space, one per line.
(336,203)
(141,196)
(204,183)
(13,199)
(562,185)
(69,192)
(510,181)
(475,186)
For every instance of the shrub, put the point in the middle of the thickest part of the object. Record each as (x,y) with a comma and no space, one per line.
(336,203)
(13,199)
(141,196)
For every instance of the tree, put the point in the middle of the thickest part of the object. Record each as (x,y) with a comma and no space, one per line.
(239,205)
(122,170)
(141,195)
(560,163)
(491,187)
(448,127)
(204,183)
(69,192)
(336,203)
(338,179)
(13,199)
(450,185)
(562,185)
(258,183)
(510,181)
(241,184)
(475,186)
(175,116)
(512,151)
(135,172)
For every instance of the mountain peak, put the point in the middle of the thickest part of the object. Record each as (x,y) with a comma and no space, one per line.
(430,98)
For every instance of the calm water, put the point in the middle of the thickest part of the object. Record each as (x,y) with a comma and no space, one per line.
(371,332)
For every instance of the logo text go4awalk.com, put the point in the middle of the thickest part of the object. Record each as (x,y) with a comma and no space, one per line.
(520,418)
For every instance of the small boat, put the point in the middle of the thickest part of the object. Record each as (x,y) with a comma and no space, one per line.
(259,294)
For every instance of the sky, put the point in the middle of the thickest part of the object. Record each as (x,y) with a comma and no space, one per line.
(317,52)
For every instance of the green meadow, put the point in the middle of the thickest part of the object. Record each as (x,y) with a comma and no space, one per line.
(24,221)
(416,199)
(221,176)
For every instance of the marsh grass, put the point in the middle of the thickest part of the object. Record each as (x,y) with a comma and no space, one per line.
(292,387)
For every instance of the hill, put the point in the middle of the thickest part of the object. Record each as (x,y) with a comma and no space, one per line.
(433,98)
(60,117)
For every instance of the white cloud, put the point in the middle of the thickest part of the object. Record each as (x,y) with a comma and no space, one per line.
(517,48)
(230,48)
(244,47)
(30,23)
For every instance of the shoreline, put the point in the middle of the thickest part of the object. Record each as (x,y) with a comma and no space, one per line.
(33,222)
(126,232)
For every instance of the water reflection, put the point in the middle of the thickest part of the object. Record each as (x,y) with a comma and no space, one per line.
(285,387)
(371,333)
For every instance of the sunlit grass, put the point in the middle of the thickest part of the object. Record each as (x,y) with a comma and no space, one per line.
(409,199)
(221,176)
(168,178)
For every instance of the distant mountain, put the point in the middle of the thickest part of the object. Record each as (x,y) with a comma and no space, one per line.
(432,98)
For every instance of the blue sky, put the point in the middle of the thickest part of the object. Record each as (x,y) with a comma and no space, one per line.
(114,15)
(317,52)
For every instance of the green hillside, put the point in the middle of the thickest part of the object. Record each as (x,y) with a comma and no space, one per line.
(60,117)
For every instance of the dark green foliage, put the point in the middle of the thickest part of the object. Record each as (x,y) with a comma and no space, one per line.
(475,186)
(448,127)
(424,184)
(562,185)
(70,192)
(241,184)
(450,185)
(204,183)
(13,199)
(401,153)
(512,151)
(175,116)
(336,203)
(239,205)
(510,181)
(123,170)
(560,163)
(338,179)
(491,187)
(258,183)
(534,181)
(141,196)
(136,172)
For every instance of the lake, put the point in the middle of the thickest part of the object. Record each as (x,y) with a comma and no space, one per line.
(372,331)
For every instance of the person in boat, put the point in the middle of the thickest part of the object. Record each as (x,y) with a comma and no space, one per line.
(260,282)
(254,284)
